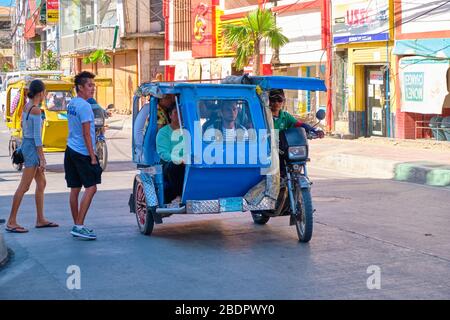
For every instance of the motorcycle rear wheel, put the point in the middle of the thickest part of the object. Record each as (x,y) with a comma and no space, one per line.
(102,153)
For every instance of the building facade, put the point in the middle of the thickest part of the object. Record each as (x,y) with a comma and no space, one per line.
(422,56)
(6,52)
(364,89)
(195,49)
(33,34)
(130,31)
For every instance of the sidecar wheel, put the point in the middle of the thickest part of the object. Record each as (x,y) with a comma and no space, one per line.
(304,214)
(259,217)
(144,214)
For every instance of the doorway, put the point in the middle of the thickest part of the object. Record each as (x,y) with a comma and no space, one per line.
(375,84)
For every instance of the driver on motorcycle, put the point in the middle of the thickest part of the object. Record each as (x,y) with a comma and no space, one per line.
(282,119)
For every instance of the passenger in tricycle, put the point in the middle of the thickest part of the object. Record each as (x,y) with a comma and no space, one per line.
(169,142)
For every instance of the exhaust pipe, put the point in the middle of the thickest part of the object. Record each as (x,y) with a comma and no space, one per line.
(169,211)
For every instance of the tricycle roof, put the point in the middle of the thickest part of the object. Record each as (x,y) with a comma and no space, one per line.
(248,83)
(160,88)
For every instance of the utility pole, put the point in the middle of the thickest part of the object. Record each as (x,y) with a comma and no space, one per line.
(275,60)
(327,44)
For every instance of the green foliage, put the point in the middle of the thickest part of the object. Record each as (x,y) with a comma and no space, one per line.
(6,67)
(98,55)
(246,39)
(49,61)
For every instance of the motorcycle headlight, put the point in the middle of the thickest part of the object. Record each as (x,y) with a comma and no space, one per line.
(298,153)
(99,121)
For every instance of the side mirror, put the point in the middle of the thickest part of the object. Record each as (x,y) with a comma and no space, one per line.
(320,114)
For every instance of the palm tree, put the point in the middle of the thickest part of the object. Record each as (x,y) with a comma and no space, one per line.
(245,39)
(98,55)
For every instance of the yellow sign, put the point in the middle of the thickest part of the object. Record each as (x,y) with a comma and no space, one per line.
(221,49)
(52,16)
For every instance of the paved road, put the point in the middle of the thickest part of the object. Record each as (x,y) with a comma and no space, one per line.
(399,229)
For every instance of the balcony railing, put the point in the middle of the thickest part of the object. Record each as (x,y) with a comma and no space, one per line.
(90,38)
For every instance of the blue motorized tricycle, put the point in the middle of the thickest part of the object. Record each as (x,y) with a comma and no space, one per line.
(232,158)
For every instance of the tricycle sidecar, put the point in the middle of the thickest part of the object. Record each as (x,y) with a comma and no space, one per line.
(222,173)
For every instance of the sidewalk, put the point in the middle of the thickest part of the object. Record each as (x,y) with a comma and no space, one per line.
(120,122)
(418,161)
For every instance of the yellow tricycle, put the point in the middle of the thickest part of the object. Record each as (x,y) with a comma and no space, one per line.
(53,112)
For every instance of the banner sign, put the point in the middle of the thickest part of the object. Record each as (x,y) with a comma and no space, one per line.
(202,28)
(360,21)
(52,11)
(423,84)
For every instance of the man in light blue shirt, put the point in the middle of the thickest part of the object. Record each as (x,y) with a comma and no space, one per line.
(80,162)
(79,111)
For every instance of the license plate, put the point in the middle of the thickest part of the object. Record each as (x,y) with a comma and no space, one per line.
(230,204)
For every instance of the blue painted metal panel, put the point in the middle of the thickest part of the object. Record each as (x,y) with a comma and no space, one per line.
(291,83)
(215,183)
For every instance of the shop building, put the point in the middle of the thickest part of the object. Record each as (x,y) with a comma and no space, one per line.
(362,78)
(422,55)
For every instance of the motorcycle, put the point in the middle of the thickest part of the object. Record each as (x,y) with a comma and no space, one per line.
(101,148)
(294,198)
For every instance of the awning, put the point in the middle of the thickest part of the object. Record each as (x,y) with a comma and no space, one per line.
(438,48)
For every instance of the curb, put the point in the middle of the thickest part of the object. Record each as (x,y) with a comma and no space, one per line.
(429,173)
(359,165)
(420,172)
(4,255)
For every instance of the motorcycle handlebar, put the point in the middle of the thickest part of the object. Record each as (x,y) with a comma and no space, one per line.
(312,135)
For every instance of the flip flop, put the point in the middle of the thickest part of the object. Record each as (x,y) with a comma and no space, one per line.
(16,230)
(48,225)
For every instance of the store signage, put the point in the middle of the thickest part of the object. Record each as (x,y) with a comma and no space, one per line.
(202,28)
(423,84)
(200,23)
(376,77)
(360,21)
(52,11)
(22,65)
(413,86)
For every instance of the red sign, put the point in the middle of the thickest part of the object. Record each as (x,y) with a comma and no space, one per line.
(202,28)
(52,5)
(359,17)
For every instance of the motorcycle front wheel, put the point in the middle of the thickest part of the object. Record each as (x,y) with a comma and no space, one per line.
(303,214)
(102,153)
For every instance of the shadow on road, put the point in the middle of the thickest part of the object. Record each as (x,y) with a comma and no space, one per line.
(113,166)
